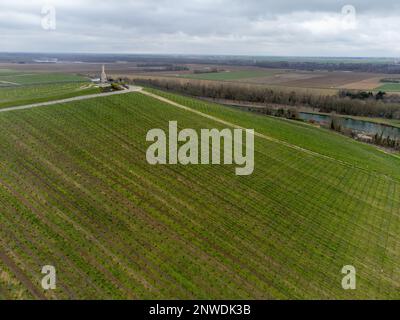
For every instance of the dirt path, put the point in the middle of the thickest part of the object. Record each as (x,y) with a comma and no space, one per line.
(19,274)
(90,96)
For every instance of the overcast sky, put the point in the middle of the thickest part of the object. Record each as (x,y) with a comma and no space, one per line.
(245,27)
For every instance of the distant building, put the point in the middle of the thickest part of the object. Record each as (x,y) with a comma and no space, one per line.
(102,81)
(103,77)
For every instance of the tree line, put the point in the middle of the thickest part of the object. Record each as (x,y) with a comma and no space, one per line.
(345,102)
(387,68)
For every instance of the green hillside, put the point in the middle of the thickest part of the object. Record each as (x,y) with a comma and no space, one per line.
(77,192)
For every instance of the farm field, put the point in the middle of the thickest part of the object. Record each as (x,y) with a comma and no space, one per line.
(20,78)
(300,134)
(229,75)
(283,77)
(390,87)
(21,95)
(294,78)
(7,72)
(77,193)
(20,88)
(321,80)
(331,80)
(370,84)
(330,60)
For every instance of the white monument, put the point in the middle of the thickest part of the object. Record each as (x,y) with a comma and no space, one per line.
(103,77)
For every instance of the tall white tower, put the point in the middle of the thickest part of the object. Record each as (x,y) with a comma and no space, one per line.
(103,77)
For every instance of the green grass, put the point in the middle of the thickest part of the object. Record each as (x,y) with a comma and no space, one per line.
(39,78)
(232,75)
(76,192)
(16,96)
(390,87)
(11,288)
(8,72)
(20,88)
(328,59)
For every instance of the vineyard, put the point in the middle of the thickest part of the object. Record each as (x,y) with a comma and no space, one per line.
(20,78)
(77,192)
(16,96)
(19,88)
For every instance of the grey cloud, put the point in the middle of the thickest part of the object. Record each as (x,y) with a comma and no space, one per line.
(302,27)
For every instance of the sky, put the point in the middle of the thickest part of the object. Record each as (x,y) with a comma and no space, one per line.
(358,28)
